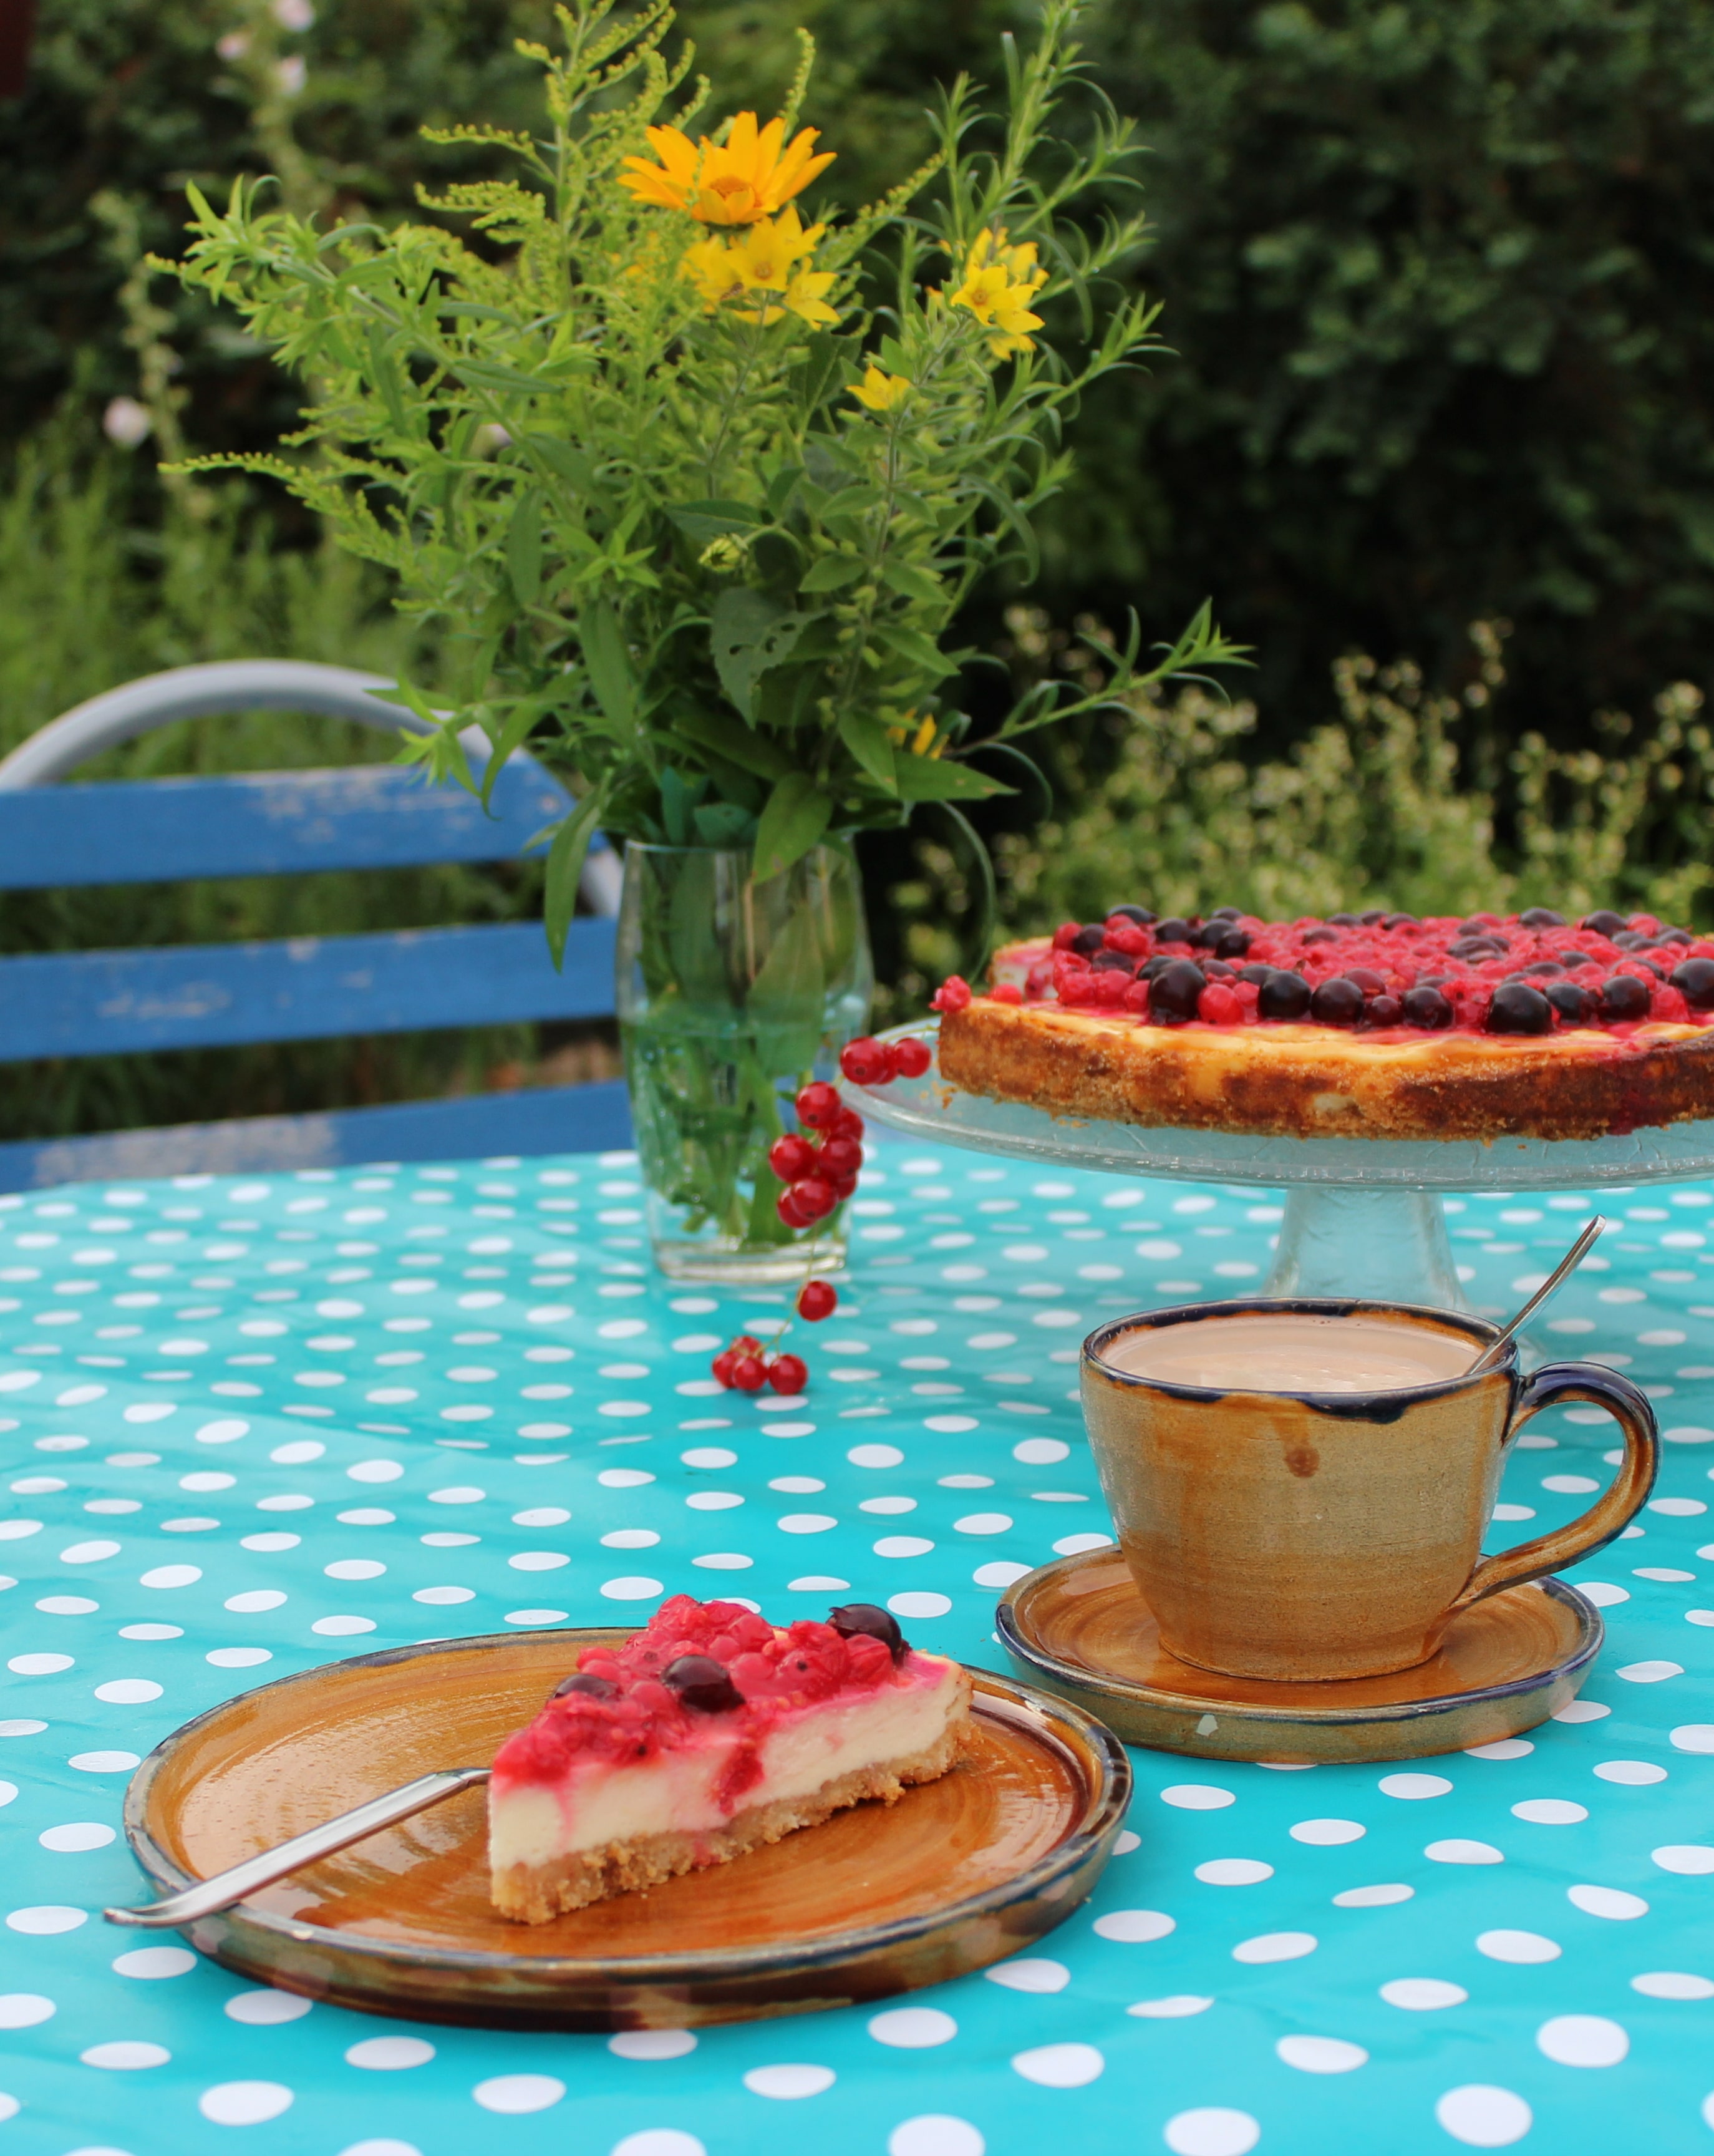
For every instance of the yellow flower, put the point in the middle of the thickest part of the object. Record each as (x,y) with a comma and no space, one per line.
(881,392)
(1000,283)
(746,178)
(766,258)
(922,742)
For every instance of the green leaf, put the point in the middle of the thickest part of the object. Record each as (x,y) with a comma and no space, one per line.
(523,547)
(731,739)
(932,779)
(560,457)
(483,374)
(832,572)
(609,664)
(821,370)
(866,738)
(565,865)
(912,583)
(723,824)
(509,737)
(796,814)
(703,520)
(749,632)
(914,647)
(789,990)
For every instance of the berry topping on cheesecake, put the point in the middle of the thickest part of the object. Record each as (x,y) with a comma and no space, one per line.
(709,1733)
(1370,1024)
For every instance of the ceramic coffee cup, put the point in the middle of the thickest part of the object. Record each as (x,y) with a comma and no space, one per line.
(1296,1535)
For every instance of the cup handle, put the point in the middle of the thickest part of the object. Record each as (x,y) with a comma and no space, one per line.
(1611,1511)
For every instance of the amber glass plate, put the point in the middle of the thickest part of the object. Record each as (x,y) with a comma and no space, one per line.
(1082,1628)
(879,1899)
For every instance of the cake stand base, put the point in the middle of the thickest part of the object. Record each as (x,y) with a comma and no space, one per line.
(1386,1246)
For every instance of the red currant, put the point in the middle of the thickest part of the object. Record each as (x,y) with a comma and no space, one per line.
(788,1373)
(786,1206)
(847,1124)
(817,1299)
(745,1344)
(818,1104)
(840,1157)
(912,1056)
(790,1157)
(867,1062)
(816,1199)
(749,1373)
(721,1367)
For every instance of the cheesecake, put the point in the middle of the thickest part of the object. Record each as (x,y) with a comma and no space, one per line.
(1374,1025)
(708,1734)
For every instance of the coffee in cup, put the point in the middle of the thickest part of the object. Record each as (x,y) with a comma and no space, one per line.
(1300,1487)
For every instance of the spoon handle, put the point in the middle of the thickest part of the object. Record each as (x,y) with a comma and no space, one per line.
(206,1898)
(1572,1258)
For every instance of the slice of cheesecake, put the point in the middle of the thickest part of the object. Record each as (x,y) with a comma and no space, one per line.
(710,1734)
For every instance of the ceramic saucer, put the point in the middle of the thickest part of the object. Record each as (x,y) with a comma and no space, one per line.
(1082,1628)
(880,1898)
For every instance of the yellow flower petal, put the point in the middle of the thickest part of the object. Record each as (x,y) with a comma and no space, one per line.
(881,392)
(750,176)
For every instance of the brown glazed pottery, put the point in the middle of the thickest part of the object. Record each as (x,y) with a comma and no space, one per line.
(1080,1627)
(1304,1536)
(879,1899)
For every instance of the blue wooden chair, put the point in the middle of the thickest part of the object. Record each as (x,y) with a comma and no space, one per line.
(109,1003)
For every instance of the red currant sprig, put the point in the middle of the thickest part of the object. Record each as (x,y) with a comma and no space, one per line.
(819,1164)
(745,1367)
(870,1062)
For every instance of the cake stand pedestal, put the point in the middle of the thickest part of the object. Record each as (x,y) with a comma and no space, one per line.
(1363,1216)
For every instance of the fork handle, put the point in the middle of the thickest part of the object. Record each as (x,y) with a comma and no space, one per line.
(207,1896)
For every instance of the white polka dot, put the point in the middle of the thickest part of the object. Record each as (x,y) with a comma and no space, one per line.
(1672,1984)
(913,2028)
(1275,1946)
(124,2056)
(514,2094)
(1211,2130)
(893,1546)
(1002,1573)
(1041,1451)
(1421,1994)
(1631,1774)
(173,1575)
(1690,1860)
(77,1835)
(46,1919)
(652,2140)
(532,1617)
(1413,1785)
(1197,1797)
(23,2010)
(1075,1545)
(256,1599)
(243,2103)
(343,1628)
(1582,2040)
(788,2081)
(1328,1833)
(375,1470)
(1373,1898)
(1583,1710)
(919,1603)
(1603,1593)
(1518,1947)
(652,2044)
(1650,1672)
(1178,2006)
(1484,2116)
(1233,1871)
(1030,1974)
(632,1588)
(1502,1748)
(1061,2066)
(1456,1850)
(385,2146)
(389,2054)
(1694,1737)
(152,1962)
(1609,1902)
(266,2008)
(1135,1926)
(40,1665)
(935,2133)
(538,1560)
(1322,2055)
(88,1552)
(1550,1811)
(873,1456)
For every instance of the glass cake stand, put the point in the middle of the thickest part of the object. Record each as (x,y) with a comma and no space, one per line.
(1362,1216)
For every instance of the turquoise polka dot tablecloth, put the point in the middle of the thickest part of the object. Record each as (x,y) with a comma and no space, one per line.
(249,1426)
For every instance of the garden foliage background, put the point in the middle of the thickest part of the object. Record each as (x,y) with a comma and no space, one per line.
(1438,281)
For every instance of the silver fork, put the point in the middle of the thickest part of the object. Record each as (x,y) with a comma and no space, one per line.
(208,1896)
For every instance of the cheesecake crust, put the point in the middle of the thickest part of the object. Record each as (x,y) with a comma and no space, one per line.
(535,1894)
(1287,1080)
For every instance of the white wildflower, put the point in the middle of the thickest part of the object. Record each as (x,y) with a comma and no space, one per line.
(294,14)
(233,45)
(288,74)
(125,421)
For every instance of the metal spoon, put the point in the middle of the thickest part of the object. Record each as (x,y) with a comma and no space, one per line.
(207,1897)
(1572,1258)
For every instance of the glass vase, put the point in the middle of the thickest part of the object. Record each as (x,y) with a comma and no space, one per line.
(732,994)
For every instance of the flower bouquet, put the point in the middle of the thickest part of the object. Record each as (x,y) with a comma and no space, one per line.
(692,485)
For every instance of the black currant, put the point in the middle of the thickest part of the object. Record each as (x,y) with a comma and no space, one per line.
(702,1683)
(1375,914)
(1227,913)
(1173,991)
(1399,921)
(1575,1005)
(1384,1010)
(1604,923)
(1344,920)
(1623,997)
(1694,981)
(1174,930)
(1111,962)
(852,1619)
(1337,1001)
(1517,1008)
(589,1685)
(1140,914)
(1425,1006)
(1542,917)
(1089,939)
(1284,995)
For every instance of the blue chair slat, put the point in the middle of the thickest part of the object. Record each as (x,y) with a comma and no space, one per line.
(269,823)
(550,1119)
(113,1003)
